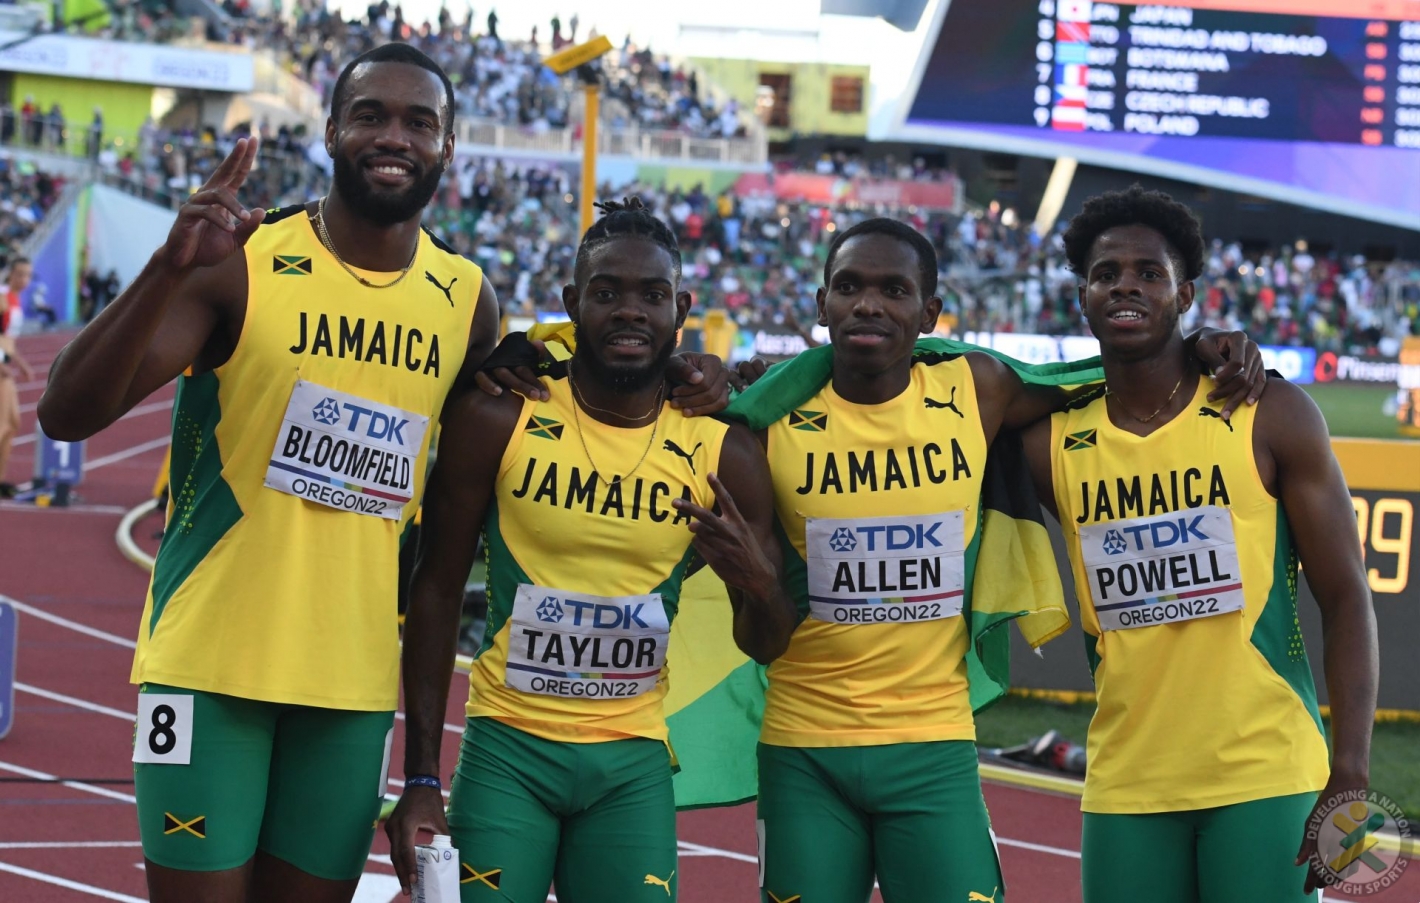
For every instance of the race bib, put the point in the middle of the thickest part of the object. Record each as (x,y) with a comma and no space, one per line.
(346,452)
(163,732)
(1163,569)
(878,570)
(597,647)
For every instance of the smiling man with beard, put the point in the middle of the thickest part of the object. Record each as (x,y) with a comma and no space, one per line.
(590,502)
(319,342)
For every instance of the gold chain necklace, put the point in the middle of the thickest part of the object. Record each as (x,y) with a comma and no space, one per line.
(330,246)
(655,425)
(1108,391)
(591,407)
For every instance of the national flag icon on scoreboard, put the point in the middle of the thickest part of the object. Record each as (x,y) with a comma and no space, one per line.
(1073,75)
(1068,117)
(1073,11)
(1072,31)
(1072,53)
(1071,95)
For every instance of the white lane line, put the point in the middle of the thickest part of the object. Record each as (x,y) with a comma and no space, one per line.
(694,849)
(1037,847)
(70,885)
(451,728)
(76,703)
(136,412)
(72,625)
(29,508)
(73,785)
(127,453)
(69,844)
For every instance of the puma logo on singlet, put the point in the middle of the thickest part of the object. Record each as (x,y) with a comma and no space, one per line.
(652,879)
(689,456)
(1209,412)
(443,288)
(950,403)
(974,897)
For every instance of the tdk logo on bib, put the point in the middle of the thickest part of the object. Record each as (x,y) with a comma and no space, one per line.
(378,425)
(593,646)
(1162,569)
(606,617)
(346,452)
(842,540)
(886,569)
(549,610)
(1170,531)
(326,411)
(886,537)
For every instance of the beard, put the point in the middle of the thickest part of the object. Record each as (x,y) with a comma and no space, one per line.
(379,206)
(620,378)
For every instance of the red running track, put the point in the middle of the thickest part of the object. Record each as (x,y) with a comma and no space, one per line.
(78,842)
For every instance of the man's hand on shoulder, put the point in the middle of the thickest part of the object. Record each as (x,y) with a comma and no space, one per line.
(700,383)
(1236,364)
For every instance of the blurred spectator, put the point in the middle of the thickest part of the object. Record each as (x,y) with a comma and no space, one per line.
(12,363)
(95,140)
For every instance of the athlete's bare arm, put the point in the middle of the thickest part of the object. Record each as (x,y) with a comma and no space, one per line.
(1294,459)
(184,309)
(1006,401)
(482,338)
(699,383)
(740,546)
(475,432)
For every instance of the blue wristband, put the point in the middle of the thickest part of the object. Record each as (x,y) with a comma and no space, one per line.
(423,780)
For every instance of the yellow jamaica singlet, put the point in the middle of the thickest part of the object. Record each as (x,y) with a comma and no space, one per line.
(881,507)
(584,570)
(1187,581)
(296,466)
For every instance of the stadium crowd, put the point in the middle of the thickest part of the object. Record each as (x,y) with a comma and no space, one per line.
(495,76)
(26,194)
(761,259)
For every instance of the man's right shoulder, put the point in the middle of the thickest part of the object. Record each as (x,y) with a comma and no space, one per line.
(489,416)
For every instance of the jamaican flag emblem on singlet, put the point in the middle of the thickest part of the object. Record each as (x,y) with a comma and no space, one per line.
(543,428)
(291,265)
(1077,441)
(810,421)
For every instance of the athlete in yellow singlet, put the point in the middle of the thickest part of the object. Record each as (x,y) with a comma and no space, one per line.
(323,341)
(590,501)
(867,765)
(1184,527)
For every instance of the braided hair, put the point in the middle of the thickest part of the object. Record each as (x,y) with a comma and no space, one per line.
(628,219)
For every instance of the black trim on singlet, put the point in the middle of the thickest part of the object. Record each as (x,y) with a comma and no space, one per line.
(277,214)
(439,243)
(1085,400)
(933,358)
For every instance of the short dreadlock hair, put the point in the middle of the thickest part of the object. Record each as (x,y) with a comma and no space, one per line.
(629,218)
(881,225)
(1137,207)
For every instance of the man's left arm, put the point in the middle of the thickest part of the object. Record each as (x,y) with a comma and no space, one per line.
(740,546)
(1291,432)
(1233,358)
(699,383)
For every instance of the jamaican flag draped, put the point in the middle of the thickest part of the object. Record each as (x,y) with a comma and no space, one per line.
(716,696)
